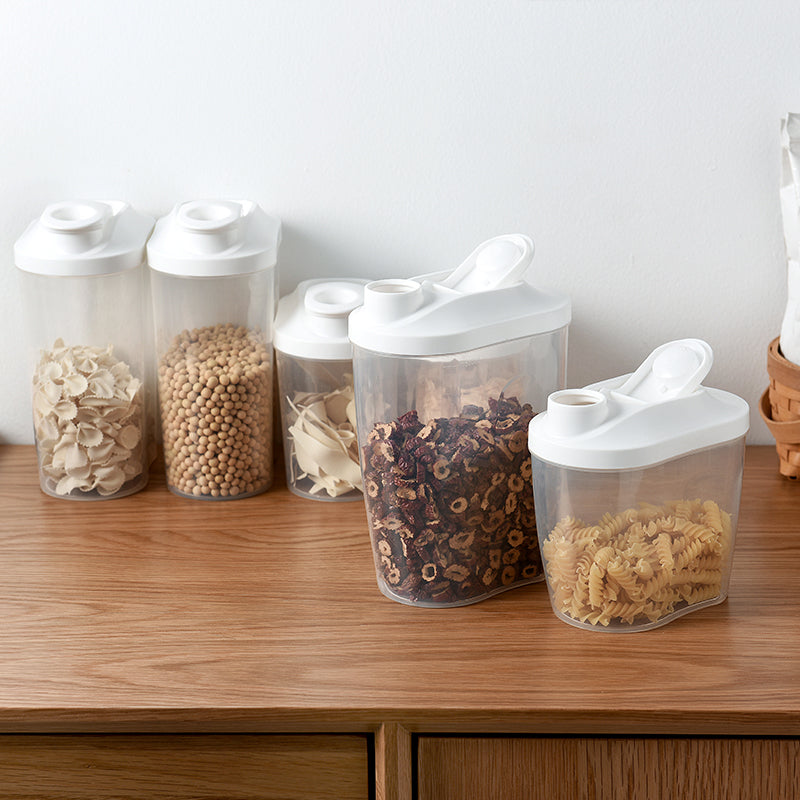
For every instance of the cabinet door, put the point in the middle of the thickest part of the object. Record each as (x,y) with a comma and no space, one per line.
(233,767)
(607,769)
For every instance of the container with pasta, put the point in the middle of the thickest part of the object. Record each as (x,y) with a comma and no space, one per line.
(315,376)
(83,280)
(636,482)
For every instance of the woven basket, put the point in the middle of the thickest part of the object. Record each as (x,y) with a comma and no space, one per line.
(780,409)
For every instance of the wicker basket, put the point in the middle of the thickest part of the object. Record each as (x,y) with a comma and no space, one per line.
(780,409)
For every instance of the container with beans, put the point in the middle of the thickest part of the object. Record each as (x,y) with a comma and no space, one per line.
(212,266)
(449,369)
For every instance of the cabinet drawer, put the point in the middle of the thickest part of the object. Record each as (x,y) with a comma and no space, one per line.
(607,769)
(256,767)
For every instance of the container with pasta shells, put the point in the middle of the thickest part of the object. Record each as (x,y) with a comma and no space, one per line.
(84,287)
(315,376)
(637,483)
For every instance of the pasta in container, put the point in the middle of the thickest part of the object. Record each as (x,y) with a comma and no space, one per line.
(314,358)
(83,281)
(637,482)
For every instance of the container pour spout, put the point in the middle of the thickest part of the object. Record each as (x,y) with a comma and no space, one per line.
(674,370)
(496,263)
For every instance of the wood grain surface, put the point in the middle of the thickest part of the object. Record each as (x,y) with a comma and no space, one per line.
(157,613)
(607,769)
(159,767)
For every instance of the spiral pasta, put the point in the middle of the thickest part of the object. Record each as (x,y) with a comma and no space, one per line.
(640,565)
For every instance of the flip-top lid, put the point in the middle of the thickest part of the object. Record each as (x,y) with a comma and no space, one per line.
(657,413)
(214,238)
(83,237)
(312,320)
(484,301)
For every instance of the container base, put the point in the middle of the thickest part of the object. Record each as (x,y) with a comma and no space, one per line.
(634,627)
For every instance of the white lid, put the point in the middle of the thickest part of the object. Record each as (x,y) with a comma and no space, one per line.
(83,237)
(312,321)
(482,302)
(657,413)
(214,238)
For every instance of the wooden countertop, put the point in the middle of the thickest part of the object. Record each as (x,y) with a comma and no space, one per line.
(155,613)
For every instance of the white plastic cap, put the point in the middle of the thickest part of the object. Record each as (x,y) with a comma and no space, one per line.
(83,237)
(312,321)
(484,301)
(214,238)
(655,414)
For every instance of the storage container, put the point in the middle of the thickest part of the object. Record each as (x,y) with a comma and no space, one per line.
(84,290)
(637,482)
(213,284)
(315,379)
(449,369)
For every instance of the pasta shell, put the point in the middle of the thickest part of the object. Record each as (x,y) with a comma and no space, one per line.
(65,410)
(109,480)
(50,391)
(101,383)
(129,436)
(74,385)
(100,452)
(68,484)
(89,435)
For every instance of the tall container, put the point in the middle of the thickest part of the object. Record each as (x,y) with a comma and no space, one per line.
(637,483)
(84,288)
(213,286)
(449,370)
(315,374)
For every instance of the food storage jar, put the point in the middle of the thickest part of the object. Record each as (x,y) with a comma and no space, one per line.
(637,482)
(315,379)
(84,289)
(449,369)
(212,268)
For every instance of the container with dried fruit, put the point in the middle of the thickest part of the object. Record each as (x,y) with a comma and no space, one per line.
(84,287)
(637,482)
(213,277)
(315,377)
(449,370)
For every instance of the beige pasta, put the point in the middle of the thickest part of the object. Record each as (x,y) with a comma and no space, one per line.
(638,566)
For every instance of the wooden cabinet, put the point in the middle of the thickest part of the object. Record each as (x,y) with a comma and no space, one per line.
(242,649)
(156,766)
(558,768)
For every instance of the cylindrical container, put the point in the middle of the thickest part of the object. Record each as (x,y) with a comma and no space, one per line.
(315,377)
(449,370)
(637,483)
(213,285)
(83,283)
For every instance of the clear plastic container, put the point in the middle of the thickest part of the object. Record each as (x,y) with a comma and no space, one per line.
(449,370)
(637,483)
(84,289)
(315,377)
(213,286)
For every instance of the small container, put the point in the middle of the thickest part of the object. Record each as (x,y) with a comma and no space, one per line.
(84,287)
(449,370)
(213,284)
(637,483)
(315,378)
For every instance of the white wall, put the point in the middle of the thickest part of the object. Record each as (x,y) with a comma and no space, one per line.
(635,140)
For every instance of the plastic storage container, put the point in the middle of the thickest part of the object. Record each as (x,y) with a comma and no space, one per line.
(213,284)
(315,378)
(637,483)
(84,289)
(449,370)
